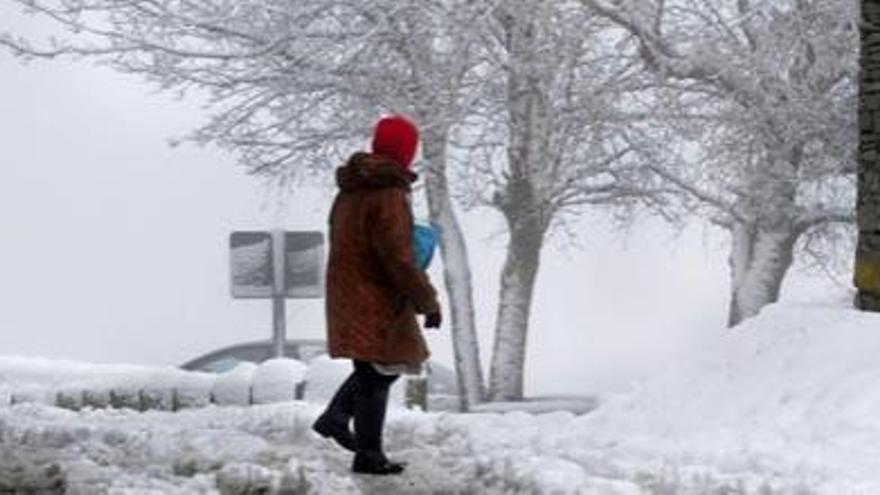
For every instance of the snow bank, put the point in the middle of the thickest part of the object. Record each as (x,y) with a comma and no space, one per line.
(43,380)
(75,384)
(784,404)
(790,393)
(541,405)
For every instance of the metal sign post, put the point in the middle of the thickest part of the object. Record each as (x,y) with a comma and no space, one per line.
(279,302)
(277,265)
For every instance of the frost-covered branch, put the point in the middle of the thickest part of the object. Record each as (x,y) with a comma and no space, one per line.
(820,217)
(776,160)
(294,85)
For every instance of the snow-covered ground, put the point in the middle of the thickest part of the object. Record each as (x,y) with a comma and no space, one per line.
(786,403)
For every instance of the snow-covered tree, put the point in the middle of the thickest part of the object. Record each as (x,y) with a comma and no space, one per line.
(764,96)
(867,269)
(520,100)
(294,85)
(549,144)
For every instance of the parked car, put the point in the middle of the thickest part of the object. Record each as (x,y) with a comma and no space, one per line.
(256,352)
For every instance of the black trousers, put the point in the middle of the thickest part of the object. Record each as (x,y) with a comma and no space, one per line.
(364,397)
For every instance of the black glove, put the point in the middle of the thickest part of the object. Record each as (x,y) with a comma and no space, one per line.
(433,320)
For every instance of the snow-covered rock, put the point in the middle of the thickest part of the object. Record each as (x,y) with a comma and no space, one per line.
(275,380)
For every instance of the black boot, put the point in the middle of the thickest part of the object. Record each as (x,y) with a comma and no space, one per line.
(370,405)
(333,423)
(329,428)
(370,462)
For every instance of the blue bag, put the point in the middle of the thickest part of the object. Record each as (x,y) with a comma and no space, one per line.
(425,238)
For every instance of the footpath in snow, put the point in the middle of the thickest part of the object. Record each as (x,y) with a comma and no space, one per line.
(786,403)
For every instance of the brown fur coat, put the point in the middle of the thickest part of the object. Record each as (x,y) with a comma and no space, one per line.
(374,288)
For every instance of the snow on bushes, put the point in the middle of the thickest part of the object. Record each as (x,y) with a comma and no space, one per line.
(76,385)
(324,376)
(275,380)
(233,387)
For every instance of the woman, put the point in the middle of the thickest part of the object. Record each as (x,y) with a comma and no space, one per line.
(374,291)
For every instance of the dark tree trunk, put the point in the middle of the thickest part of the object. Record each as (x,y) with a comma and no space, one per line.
(867,266)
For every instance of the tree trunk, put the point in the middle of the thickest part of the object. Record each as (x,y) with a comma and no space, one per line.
(514,309)
(521,200)
(867,265)
(456,272)
(759,260)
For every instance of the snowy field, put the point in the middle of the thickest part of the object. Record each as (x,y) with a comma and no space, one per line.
(787,403)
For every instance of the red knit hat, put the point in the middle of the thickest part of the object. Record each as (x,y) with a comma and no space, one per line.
(397,138)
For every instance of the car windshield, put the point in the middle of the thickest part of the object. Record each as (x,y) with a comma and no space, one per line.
(222,364)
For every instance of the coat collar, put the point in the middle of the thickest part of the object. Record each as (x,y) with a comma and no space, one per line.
(371,171)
